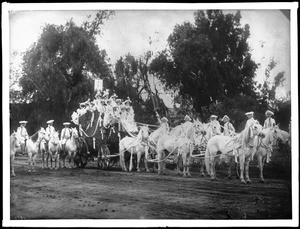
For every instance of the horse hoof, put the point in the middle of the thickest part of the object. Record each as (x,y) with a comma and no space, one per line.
(147,171)
(13,175)
(184,175)
(189,175)
(243,182)
(212,179)
(202,175)
(249,182)
(138,170)
(262,181)
(160,173)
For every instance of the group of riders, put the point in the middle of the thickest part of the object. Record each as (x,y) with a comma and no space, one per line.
(112,108)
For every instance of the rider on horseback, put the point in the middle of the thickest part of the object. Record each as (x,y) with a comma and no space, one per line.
(214,122)
(163,124)
(23,134)
(50,130)
(269,122)
(229,130)
(65,135)
(250,122)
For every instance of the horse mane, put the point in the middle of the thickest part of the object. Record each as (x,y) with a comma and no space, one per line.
(246,136)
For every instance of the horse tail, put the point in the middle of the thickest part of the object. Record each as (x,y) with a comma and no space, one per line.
(207,160)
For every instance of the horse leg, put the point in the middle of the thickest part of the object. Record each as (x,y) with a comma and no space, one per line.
(214,169)
(131,160)
(188,163)
(242,168)
(247,171)
(29,161)
(56,160)
(183,155)
(69,159)
(43,158)
(160,157)
(146,159)
(33,162)
(202,164)
(261,166)
(139,155)
(12,159)
(51,160)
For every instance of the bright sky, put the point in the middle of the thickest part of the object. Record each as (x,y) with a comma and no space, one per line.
(128,31)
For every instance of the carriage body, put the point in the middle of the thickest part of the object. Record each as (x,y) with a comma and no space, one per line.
(97,142)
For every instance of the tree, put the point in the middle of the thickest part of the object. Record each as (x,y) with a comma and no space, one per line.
(209,60)
(58,69)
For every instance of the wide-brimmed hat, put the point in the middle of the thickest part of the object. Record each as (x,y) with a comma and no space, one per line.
(249,113)
(23,122)
(213,116)
(127,101)
(268,112)
(113,96)
(164,119)
(123,107)
(50,121)
(81,105)
(187,118)
(66,123)
(225,117)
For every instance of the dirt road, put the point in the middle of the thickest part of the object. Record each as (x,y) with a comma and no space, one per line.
(90,193)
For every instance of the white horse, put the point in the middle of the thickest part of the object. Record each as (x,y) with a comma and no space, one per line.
(222,147)
(264,147)
(71,147)
(138,145)
(15,146)
(181,145)
(54,147)
(33,147)
(209,130)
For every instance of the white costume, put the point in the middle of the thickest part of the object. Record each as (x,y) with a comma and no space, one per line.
(23,133)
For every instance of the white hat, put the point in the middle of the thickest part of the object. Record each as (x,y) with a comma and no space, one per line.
(249,113)
(213,116)
(127,100)
(113,96)
(269,112)
(23,122)
(50,121)
(187,118)
(66,123)
(164,119)
(119,100)
(225,116)
(123,107)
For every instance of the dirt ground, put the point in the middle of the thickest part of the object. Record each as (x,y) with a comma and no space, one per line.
(91,193)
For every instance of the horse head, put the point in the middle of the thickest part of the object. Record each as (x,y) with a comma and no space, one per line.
(55,138)
(257,129)
(15,140)
(74,132)
(144,133)
(42,134)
